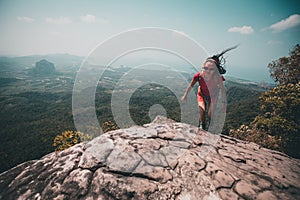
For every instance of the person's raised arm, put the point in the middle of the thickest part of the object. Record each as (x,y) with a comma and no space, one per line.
(188,89)
(223,92)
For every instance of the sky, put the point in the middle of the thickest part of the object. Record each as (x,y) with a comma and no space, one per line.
(264,29)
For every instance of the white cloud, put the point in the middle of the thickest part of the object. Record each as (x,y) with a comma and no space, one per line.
(59,21)
(88,19)
(291,21)
(241,30)
(92,19)
(25,19)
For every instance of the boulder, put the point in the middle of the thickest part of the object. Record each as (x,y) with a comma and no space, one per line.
(160,160)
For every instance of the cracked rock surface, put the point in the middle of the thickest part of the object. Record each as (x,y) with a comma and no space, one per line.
(160,160)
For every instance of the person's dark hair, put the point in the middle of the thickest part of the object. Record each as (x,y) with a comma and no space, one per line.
(219,60)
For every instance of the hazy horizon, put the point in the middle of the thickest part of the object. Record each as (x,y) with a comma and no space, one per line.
(230,73)
(265,30)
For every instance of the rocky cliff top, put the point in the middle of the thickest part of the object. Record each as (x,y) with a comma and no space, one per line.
(160,160)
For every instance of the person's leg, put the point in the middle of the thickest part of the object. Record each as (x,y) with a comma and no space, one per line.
(201,105)
(211,109)
(202,118)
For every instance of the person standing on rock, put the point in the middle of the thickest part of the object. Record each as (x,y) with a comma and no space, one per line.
(210,83)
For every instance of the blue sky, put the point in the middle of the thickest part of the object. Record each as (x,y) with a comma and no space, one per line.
(265,29)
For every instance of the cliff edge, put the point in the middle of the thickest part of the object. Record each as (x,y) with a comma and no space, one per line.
(160,160)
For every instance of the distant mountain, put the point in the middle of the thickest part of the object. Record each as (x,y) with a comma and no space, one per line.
(43,67)
(14,66)
(22,62)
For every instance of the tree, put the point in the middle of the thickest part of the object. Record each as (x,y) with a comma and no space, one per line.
(278,125)
(281,110)
(286,69)
(109,126)
(69,138)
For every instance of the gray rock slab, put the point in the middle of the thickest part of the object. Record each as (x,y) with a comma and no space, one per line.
(160,160)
